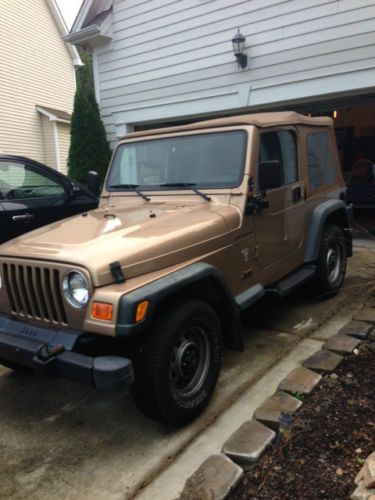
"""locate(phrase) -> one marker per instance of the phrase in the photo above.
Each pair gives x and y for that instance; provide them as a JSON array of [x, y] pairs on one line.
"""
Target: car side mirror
[[93, 182], [270, 175]]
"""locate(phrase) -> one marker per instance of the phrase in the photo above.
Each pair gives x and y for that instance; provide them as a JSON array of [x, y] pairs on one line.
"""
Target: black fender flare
[[167, 286], [317, 223]]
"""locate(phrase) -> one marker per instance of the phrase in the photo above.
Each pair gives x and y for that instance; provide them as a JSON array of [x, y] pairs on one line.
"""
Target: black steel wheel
[[178, 362], [331, 263]]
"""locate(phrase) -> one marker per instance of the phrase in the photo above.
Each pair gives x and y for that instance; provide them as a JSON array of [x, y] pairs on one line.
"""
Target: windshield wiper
[[187, 185], [133, 187]]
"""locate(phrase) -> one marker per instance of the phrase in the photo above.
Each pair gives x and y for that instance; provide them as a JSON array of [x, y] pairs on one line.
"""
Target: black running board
[[293, 281]]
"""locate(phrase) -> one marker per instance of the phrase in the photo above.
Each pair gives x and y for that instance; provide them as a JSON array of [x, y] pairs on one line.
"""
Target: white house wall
[[48, 142], [172, 59], [36, 68], [63, 131]]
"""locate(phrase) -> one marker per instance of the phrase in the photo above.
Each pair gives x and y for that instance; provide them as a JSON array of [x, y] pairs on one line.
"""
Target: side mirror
[[270, 175], [93, 182]]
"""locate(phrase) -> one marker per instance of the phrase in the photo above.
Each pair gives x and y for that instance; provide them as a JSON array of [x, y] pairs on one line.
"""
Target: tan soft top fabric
[[257, 119]]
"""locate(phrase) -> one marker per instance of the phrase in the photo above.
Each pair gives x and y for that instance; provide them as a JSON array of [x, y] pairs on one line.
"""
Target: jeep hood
[[143, 238]]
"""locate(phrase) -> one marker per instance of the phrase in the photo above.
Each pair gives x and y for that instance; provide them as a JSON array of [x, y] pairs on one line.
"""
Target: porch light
[[238, 42]]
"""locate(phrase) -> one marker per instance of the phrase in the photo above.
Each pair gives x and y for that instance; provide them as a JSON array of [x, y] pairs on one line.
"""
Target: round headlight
[[76, 289]]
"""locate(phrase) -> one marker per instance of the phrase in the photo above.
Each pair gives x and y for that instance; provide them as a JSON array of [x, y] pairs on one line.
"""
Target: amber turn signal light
[[101, 310], [141, 311]]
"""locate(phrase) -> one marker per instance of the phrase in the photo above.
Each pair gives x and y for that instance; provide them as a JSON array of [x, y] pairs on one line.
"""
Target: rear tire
[[331, 263], [177, 363]]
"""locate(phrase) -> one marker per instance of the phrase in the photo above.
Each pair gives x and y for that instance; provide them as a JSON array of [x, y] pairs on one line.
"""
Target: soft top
[[257, 119]]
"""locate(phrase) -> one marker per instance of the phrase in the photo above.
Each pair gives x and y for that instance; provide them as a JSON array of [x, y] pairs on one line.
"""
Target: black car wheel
[[177, 364], [331, 262]]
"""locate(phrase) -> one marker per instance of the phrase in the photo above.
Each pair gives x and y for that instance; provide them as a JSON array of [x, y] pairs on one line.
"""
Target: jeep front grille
[[34, 292]]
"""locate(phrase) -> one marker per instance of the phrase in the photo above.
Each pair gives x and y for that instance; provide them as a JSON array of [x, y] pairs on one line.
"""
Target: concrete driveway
[[61, 440]]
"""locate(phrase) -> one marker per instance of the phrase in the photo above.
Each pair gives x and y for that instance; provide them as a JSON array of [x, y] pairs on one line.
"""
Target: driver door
[[29, 197], [279, 229]]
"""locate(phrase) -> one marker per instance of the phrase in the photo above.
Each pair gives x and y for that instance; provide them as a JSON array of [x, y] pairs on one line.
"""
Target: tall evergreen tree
[[89, 148], [85, 73]]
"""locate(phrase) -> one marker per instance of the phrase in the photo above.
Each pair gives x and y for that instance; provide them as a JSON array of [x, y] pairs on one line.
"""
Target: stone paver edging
[[215, 478], [300, 381], [269, 411], [341, 344], [323, 361], [250, 440], [358, 329], [365, 480]]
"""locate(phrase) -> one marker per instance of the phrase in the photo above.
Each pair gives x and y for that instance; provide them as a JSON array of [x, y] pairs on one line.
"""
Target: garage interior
[[355, 134]]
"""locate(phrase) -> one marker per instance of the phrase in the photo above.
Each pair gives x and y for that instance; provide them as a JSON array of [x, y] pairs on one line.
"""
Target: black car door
[[4, 221], [30, 196]]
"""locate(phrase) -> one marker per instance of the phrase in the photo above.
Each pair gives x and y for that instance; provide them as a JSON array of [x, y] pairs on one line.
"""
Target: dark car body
[[361, 196], [361, 185], [33, 195]]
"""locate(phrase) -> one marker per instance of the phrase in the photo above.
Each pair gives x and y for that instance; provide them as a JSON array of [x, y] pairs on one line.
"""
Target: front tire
[[177, 363], [331, 263]]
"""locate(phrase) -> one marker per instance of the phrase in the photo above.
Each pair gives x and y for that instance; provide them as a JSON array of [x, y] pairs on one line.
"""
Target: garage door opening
[[355, 132]]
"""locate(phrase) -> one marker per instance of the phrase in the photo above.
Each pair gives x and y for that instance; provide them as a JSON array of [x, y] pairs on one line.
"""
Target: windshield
[[211, 160]]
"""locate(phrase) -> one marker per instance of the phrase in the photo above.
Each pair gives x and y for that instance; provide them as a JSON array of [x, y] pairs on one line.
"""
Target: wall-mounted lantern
[[238, 42]]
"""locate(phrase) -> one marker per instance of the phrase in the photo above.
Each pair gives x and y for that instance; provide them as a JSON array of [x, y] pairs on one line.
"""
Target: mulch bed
[[333, 432]]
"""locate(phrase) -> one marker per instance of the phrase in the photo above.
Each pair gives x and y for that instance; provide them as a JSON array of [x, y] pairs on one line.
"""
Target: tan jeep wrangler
[[195, 224]]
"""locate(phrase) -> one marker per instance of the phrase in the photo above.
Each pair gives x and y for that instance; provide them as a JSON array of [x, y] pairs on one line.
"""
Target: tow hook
[[47, 351]]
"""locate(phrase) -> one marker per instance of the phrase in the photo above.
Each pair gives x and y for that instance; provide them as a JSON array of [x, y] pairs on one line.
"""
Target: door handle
[[22, 217]]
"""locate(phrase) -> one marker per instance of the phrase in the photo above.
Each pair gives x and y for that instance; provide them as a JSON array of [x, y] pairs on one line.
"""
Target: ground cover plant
[[332, 434]]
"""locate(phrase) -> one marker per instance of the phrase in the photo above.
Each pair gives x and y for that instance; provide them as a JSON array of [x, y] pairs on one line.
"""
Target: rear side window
[[280, 146], [319, 160]]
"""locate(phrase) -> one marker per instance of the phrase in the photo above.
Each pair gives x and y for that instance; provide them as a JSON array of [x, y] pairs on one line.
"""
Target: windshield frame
[[159, 188]]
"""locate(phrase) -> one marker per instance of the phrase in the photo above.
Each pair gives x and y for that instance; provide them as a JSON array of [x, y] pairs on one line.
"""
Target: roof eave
[[51, 116], [60, 23], [90, 36], [81, 16]]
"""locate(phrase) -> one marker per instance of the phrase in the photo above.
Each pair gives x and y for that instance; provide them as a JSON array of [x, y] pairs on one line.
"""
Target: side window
[[319, 160], [281, 146], [19, 180], [289, 154]]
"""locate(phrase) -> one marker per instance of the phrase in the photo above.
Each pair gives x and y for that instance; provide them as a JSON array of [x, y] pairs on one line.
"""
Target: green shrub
[[89, 148]]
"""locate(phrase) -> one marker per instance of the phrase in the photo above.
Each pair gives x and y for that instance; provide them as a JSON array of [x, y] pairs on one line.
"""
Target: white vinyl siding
[[171, 59], [35, 69], [63, 131], [48, 142]]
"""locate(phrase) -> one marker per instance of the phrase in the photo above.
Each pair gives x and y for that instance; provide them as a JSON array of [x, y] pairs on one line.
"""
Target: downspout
[[57, 147], [95, 70]]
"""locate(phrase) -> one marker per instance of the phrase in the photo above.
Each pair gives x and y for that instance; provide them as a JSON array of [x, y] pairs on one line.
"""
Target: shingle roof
[[58, 113], [97, 19]]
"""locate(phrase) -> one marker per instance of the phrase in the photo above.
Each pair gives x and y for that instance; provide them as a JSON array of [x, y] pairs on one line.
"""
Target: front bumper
[[51, 352]]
